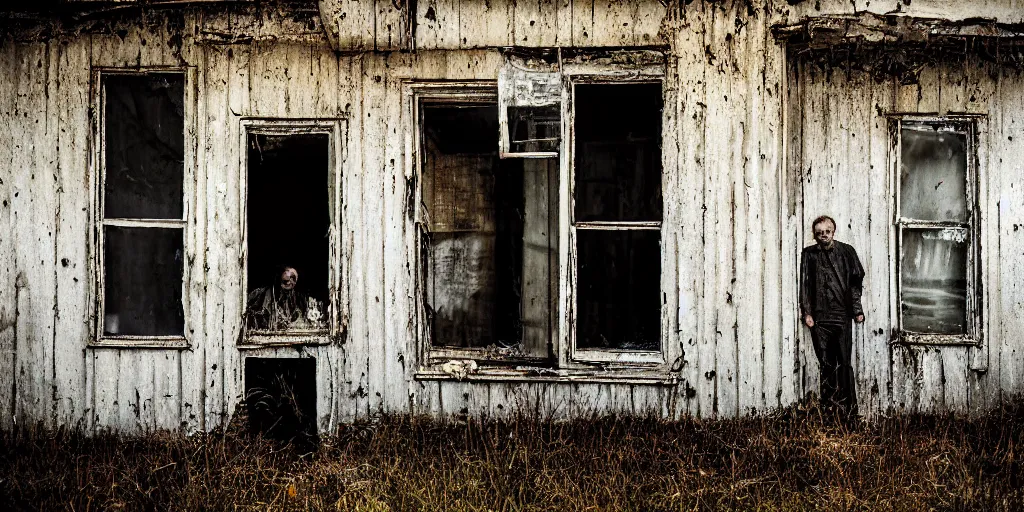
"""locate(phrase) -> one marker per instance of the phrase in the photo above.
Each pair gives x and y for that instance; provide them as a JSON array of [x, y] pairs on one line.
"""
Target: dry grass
[[790, 460]]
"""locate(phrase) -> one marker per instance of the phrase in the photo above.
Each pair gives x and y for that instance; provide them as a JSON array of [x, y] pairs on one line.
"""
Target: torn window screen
[[490, 234], [534, 129], [143, 268], [936, 228], [618, 182], [144, 150], [288, 223]]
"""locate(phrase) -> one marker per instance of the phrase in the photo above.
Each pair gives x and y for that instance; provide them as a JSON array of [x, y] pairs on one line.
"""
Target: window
[[538, 249], [617, 219], [936, 230], [141, 207], [291, 203], [487, 233]]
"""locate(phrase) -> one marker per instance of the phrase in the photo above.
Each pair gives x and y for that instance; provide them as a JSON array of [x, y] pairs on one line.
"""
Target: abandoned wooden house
[[549, 208]]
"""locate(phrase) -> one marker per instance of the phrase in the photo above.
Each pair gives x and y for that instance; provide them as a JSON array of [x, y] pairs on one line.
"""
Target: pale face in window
[[289, 278]]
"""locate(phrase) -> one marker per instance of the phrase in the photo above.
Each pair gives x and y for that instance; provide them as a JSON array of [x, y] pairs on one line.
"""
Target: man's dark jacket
[[817, 278]]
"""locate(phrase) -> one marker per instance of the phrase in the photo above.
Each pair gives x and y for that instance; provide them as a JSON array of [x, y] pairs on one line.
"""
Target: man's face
[[823, 233], [288, 279]]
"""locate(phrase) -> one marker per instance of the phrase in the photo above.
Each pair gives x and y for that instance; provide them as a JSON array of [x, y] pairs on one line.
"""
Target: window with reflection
[[936, 226]]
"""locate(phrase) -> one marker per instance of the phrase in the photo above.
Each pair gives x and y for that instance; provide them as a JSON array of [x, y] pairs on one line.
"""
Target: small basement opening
[[280, 398]]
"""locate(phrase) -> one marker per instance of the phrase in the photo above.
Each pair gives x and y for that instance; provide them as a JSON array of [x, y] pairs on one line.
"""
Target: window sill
[[284, 339], [521, 374], [148, 342], [913, 338]]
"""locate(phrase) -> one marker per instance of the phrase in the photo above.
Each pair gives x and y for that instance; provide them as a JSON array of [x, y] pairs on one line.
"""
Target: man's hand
[[808, 321], [859, 318]]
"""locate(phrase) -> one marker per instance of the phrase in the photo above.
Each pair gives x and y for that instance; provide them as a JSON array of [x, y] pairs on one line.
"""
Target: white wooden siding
[[754, 148]]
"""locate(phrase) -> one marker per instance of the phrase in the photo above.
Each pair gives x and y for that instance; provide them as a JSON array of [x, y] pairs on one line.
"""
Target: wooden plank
[[73, 224], [33, 225], [791, 202], [1006, 135], [351, 22], [874, 355], [535, 23], [191, 417], [222, 233], [955, 378], [582, 12], [134, 391], [8, 257], [486, 24], [390, 20], [354, 224], [372, 250], [166, 405], [770, 155], [690, 109], [722, 163], [750, 340], [437, 24], [106, 367], [394, 297]]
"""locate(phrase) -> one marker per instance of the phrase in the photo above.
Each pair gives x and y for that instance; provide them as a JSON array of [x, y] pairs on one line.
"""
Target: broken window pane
[[289, 220], [618, 303], [534, 129], [618, 152], [490, 234], [144, 145], [933, 289], [143, 269], [933, 175]]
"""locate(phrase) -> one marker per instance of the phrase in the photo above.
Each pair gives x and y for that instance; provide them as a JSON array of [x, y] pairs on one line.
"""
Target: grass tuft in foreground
[[789, 460]]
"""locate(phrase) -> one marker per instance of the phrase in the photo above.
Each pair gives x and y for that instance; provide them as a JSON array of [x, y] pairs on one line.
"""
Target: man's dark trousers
[[833, 344]]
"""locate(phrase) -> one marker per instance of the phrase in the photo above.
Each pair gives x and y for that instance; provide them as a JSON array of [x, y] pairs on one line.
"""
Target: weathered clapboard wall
[[737, 117], [840, 143]]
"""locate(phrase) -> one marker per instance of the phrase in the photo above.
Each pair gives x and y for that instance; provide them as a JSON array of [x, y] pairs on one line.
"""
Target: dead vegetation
[[790, 460]]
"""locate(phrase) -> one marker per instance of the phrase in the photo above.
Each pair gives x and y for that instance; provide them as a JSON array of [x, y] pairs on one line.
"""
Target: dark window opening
[[618, 213], [142, 233], [145, 146], [280, 398], [288, 223], [143, 268], [489, 234]]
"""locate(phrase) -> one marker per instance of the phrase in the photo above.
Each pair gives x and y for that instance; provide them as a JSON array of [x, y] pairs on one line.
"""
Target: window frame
[[462, 93], [335, 128], [97, 174], [567, 363], [576, 357], [972, 125]]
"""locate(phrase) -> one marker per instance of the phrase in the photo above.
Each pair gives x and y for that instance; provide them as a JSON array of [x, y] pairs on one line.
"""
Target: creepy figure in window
[[831, 280], [281, 306]]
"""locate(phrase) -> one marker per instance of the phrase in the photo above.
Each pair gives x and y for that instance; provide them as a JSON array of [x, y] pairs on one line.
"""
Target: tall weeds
[[789, 460]]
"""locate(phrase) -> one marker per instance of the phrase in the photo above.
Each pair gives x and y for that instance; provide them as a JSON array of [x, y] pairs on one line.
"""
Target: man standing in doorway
[[831, 281]]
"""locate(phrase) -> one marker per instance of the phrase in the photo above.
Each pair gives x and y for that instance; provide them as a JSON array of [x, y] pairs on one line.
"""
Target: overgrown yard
[[790, 460]]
